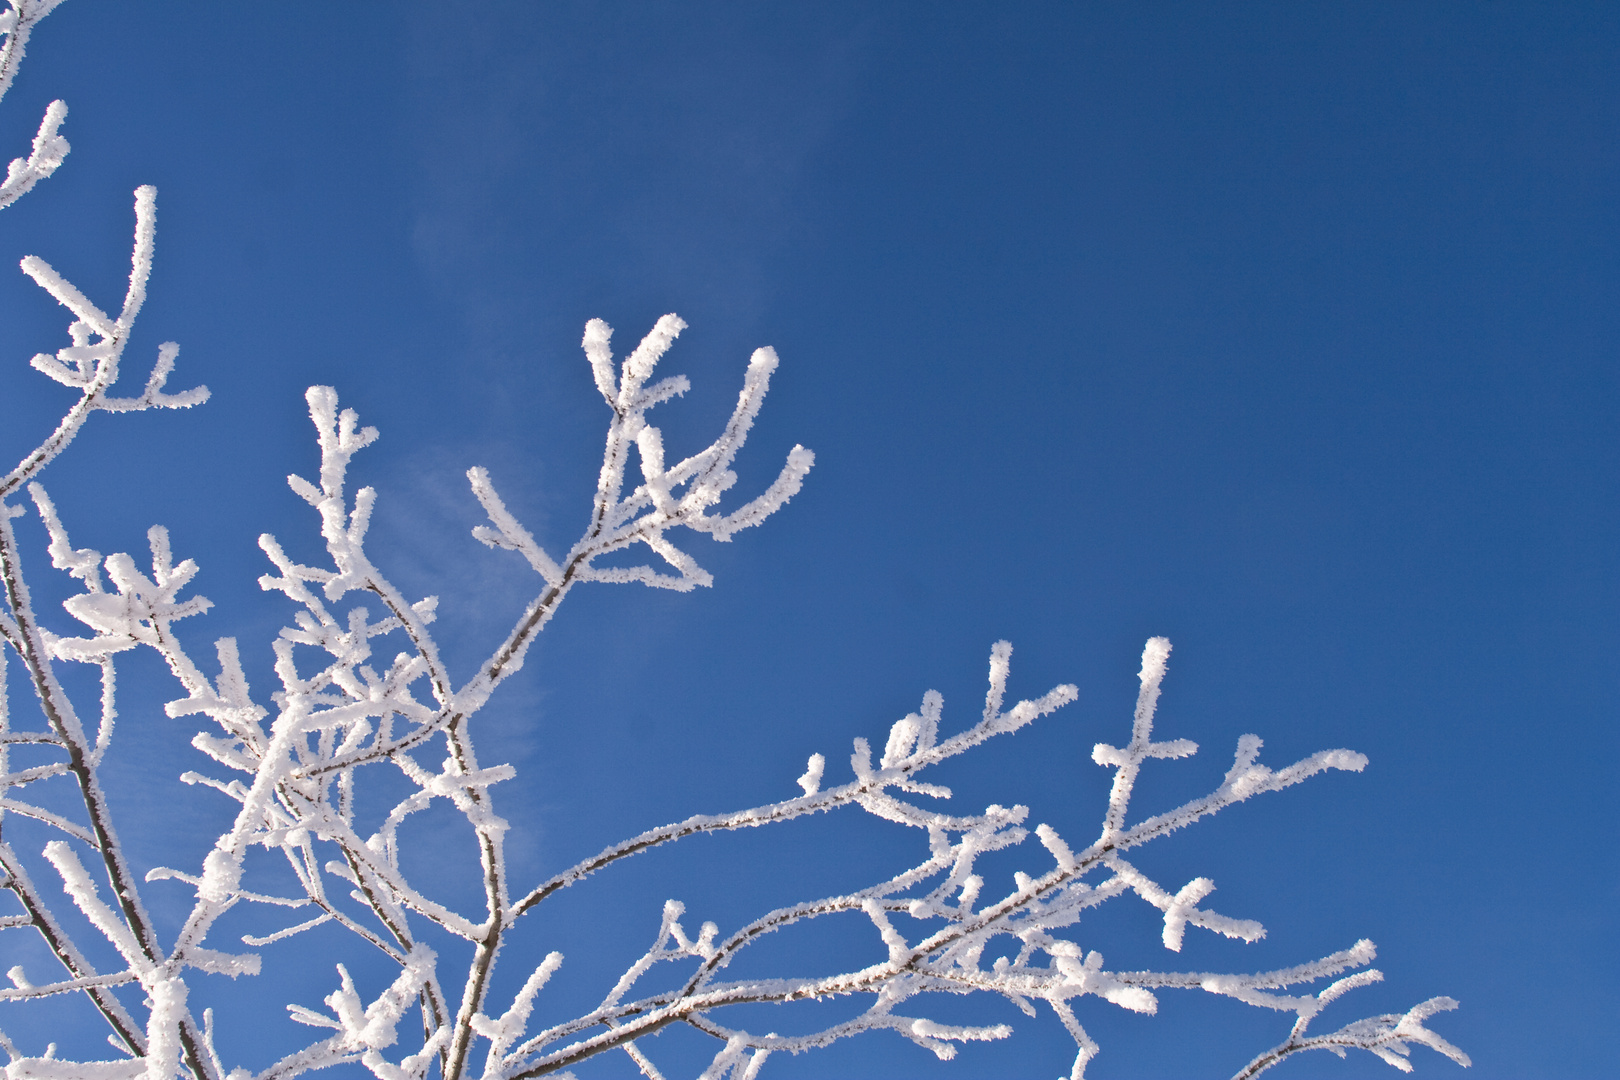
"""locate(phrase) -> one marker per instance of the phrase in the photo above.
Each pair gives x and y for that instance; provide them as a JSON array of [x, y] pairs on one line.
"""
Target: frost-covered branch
[[653, 508], [1385, 1036], [370, 729], [48, 151], [49, 148], [127, 925], [945, 889], [341, 715], [90, 364]]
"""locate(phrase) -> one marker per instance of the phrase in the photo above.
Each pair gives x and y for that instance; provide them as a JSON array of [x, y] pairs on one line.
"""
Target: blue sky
[[1288, 332]]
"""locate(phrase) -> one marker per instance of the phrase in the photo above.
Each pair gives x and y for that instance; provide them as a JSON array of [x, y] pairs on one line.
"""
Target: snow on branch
[[368, 727], [90, 364], [48, 152], [653, 508], [17, 23], [945, 889]]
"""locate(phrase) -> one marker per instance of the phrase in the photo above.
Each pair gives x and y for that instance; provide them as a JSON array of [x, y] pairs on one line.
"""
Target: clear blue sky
[[1287, 331]]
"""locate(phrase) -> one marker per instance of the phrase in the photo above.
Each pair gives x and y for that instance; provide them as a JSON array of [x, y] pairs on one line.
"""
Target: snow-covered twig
[[17, 23]]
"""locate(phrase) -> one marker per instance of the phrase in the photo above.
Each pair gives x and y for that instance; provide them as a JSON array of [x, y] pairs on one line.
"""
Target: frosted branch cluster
[[366, 704]]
